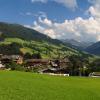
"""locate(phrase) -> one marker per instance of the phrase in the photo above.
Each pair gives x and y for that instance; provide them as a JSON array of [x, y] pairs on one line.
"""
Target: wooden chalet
[[17, 58], [58, 67], [9, 58], [59, 63], [55, 71], [38, 62]]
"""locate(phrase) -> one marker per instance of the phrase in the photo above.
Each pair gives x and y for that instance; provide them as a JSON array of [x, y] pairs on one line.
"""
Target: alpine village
[[24, 49]]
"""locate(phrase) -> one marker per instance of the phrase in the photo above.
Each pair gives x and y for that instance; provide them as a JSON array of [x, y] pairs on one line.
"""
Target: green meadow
[[28, 86]]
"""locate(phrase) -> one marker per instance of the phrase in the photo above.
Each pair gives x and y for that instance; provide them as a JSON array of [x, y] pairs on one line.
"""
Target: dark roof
[[96, 73], [11, 57], [52, 69], [37, 60]]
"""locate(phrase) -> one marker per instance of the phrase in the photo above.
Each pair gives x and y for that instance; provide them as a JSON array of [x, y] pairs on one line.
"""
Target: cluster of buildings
[[55, 66], [47, 66]]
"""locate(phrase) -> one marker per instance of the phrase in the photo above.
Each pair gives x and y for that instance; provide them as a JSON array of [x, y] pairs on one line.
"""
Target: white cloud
[[94, 10], [78, 28], [38, 14], [67, 3], [43, 1], [45, 21]]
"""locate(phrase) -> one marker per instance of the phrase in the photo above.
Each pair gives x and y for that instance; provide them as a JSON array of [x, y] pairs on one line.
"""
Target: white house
[[94, 74], [2, 66]]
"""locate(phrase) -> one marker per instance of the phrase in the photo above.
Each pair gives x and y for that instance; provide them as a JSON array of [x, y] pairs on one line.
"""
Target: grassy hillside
[[17, 39], [18, 31], [47, 50], [27, 86]]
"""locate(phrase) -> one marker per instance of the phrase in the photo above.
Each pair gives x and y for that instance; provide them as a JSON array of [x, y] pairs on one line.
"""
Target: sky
[[59, 19]]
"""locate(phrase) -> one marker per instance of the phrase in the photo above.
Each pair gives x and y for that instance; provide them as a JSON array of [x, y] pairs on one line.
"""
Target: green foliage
[[37, 56], [79, 66], [27, 56], [8, 49], [15, 66], [95, 66]]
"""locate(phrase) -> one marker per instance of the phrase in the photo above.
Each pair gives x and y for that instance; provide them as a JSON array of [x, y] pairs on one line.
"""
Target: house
[[64, 62], [9, 58], [55, 71], [48, 70], [94, 74], [59, 63], [37, 62], [5, 59], [2, 67], [54, 64], [17, 58]]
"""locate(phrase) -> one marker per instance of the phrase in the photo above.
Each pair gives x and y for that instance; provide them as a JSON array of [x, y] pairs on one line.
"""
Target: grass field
[[28, 86]]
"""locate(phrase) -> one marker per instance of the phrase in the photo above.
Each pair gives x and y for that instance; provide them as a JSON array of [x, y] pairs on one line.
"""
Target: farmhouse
[[8, 58], [59, 63], [17, 58], [94, 74], [37, 62], [57, 67], [2, 67], [64, 62], [55, 71], [54, 63]]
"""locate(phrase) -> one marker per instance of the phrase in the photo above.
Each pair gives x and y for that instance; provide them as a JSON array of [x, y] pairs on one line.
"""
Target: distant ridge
[[17, 39], [77, 44], [19, 31], [94, 49]]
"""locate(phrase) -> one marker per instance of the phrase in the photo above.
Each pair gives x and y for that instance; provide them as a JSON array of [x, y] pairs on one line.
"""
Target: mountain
[[17, 39], [94, 49], [19, 31], [77, 44]]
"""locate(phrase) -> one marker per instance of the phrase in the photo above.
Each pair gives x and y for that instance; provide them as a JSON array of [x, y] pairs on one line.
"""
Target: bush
[[15, 66]]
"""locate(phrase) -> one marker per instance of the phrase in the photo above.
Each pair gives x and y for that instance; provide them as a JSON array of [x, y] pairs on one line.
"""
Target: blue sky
[[15, 11], [61, 19]]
